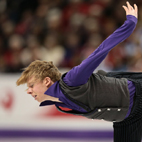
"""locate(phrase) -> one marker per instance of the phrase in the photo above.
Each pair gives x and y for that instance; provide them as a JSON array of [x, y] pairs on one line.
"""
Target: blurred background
[[65, 32]]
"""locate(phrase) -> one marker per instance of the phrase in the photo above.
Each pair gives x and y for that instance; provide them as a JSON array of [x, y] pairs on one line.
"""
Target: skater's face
[[37, 88]]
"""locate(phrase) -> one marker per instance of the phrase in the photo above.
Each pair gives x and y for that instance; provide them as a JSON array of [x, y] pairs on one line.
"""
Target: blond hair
[[40, 70]]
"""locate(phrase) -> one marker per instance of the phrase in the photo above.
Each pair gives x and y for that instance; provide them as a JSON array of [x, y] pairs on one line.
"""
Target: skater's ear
[[48, 82]]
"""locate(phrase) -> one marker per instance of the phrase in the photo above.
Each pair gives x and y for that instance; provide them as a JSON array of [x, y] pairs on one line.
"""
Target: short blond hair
[[40, 70]]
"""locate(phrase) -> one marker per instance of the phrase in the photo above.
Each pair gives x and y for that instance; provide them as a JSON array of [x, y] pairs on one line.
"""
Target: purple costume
[[80, 74]]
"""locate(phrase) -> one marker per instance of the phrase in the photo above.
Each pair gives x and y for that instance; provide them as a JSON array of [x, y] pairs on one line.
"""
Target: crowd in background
[[65, 32]]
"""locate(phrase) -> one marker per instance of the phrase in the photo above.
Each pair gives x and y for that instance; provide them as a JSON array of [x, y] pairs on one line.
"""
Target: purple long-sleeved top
[[80, 74]]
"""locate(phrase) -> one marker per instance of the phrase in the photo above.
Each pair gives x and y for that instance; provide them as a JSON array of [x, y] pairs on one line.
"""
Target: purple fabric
[[132, 90], [55, 91], [80, 74]]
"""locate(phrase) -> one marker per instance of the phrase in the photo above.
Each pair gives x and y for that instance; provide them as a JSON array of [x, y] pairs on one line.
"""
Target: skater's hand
[[131, 10]]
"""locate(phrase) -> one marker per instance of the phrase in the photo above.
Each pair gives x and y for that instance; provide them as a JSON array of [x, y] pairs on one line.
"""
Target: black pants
[[130, 129]]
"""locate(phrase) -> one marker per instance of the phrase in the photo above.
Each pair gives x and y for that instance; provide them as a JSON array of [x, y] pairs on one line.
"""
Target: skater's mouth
[[35, 96]]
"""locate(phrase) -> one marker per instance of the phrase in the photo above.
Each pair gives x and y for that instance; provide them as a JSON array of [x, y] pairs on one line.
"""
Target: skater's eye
[[31, 85]]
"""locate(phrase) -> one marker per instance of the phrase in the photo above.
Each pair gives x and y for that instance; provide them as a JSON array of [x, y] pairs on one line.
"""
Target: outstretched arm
[[81, 73]]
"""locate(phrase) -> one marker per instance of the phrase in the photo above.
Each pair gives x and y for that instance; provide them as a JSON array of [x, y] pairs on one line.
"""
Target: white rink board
[[20, 110]]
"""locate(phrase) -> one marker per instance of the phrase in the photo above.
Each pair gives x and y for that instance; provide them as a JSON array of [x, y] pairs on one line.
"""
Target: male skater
[[110, 96]]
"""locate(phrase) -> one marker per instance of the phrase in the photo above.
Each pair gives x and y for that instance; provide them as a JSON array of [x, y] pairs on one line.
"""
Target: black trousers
[[130, 129]]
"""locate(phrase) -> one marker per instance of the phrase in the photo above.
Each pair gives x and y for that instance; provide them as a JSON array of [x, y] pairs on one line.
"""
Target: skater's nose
[[29, 90]]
